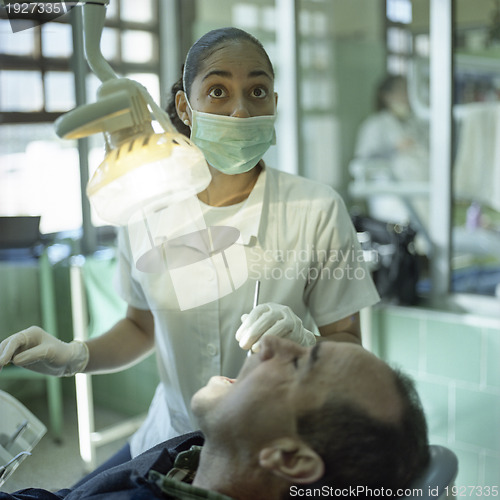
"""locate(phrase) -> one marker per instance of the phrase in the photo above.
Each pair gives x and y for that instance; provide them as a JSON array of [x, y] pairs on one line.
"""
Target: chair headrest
[[440, 472]]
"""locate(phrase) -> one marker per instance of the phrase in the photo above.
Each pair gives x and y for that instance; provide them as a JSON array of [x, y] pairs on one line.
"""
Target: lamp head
[[142, 170]]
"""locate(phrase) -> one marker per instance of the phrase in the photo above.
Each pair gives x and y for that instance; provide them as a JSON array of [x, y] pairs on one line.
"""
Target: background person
[[295, 418], [393, 145], [228, 89]]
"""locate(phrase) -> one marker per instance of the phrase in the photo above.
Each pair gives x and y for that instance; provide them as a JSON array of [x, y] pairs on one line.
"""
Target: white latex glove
[[272, 319], [39, 351]]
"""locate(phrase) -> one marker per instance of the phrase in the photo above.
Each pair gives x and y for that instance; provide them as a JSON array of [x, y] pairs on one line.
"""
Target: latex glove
[[272, 319], [39, 351]]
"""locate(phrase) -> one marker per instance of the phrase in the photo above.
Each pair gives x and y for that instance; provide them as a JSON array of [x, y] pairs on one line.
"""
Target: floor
[[52, 465]]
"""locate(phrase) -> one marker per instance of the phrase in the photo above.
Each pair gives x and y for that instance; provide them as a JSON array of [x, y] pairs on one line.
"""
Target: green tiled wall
[[455, 361], [129, 391]]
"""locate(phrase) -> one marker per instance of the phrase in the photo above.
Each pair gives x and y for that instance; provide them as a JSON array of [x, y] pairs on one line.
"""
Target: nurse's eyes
[[217, 92], [259, 92], [220, 92]]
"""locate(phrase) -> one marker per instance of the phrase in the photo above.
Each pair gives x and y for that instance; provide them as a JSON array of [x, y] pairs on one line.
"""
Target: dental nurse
[[291, 234]]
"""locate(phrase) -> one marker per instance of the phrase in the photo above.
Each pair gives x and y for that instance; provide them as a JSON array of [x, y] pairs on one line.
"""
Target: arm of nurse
[[345, 330], [127, 341]]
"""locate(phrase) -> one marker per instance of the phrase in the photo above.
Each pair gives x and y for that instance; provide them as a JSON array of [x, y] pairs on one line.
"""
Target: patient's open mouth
[[224, 380]]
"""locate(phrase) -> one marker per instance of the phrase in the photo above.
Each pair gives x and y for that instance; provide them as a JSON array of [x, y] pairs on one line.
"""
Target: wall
[[19, 296], [454, 359]]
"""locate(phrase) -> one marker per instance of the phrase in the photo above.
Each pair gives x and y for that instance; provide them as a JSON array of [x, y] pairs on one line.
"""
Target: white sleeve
[[340, 283], [127, 287], [370, 141]]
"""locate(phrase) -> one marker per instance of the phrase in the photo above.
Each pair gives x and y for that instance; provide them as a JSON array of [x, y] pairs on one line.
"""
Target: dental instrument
[[255, 302], [7, 441], [3, 468]]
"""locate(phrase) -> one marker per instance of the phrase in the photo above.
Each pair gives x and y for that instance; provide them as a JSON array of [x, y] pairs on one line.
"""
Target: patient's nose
[[271, 346]]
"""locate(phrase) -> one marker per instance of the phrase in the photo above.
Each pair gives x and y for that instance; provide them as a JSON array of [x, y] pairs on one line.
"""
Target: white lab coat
[[297, 239]]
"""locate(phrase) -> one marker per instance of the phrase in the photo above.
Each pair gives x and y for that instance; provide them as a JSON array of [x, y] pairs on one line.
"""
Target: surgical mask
[[232, 145]]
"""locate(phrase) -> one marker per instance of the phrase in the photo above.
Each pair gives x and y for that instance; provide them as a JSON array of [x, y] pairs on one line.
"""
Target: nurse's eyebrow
[[259, 72], [218, 72], [228, 74]]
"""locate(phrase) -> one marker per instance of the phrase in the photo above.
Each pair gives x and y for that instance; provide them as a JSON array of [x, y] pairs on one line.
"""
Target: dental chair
[[440, 473]]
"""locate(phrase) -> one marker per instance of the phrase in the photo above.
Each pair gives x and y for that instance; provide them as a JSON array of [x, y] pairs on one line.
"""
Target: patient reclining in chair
[[332, 416]]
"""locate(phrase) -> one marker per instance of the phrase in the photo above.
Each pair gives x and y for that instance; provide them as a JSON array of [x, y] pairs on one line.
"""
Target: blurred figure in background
[[392, 145]]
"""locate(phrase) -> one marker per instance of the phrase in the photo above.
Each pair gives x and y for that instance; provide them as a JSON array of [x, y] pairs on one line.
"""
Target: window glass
[[21, 91], [139, 12], [92, 84], [137, 46], [399, 40], [422, 45], [268, 18], [109, 44], [19, 44], [246, 15], [320, 24], [59, 91], [56, 40], [36, 167], [397, 65], [399, 11]]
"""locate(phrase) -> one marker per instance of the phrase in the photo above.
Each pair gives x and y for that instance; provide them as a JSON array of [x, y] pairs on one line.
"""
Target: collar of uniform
[[247, 220]]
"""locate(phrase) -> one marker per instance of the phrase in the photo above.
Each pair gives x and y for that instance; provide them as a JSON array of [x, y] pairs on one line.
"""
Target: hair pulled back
[[202, 49]]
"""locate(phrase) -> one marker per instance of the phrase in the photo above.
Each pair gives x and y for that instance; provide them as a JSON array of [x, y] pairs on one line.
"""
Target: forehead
[[233, 56], [358, 375], [348, 364]]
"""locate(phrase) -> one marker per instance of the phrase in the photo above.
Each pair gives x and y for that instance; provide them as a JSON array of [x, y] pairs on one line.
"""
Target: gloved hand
[[272, 319], [39, 351]]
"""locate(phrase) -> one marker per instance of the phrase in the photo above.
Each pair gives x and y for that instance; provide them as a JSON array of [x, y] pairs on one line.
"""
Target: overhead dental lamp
[[142, 170]]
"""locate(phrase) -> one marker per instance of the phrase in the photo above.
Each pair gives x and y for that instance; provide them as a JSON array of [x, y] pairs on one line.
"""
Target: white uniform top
[[382, 136], [297, 239]]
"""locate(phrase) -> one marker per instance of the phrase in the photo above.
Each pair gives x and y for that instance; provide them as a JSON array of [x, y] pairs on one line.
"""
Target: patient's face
[[284, 380]]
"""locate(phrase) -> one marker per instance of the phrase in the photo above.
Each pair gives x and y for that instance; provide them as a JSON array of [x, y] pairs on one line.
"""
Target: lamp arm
[[94, 14], [160, 114]]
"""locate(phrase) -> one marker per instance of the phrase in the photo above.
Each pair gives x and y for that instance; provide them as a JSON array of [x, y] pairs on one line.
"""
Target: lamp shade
[[147, 173]]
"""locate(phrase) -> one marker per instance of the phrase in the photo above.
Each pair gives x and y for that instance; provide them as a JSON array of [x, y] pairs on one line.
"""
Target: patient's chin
[[206, 397]]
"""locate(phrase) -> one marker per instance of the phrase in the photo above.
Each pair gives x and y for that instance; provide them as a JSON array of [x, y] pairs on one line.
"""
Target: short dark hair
[[360, 450], [203, 48]]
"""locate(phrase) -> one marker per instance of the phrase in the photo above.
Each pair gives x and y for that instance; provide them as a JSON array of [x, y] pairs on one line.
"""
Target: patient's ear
[[292, 459]]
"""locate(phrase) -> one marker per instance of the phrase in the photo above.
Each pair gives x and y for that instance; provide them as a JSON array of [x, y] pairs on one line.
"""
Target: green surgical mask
[[232, 145]]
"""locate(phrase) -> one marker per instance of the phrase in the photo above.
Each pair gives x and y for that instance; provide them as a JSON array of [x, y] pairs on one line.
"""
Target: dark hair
[[386, 86], [203, 48], [359, 450]]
